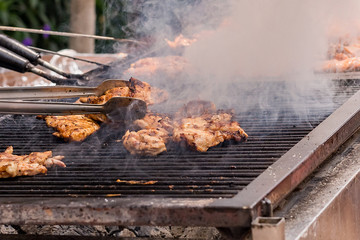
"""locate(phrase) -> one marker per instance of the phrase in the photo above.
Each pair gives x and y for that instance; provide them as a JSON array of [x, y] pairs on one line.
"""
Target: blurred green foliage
[[36, 14], [56, 13]]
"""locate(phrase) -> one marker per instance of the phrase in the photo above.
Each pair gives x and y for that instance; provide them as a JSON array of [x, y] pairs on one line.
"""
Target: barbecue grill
[[226, 187]]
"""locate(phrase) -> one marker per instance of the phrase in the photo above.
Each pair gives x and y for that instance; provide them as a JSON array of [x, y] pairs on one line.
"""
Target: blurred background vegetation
[[55, 14]]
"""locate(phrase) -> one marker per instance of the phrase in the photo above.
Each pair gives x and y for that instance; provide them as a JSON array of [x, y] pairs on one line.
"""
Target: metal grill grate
[[100, 166]]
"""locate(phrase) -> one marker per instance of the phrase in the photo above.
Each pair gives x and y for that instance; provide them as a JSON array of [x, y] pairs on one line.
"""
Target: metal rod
[[57, 92], [53, 79], [11, 107], [66, 34], [53, 68], [63, 55]]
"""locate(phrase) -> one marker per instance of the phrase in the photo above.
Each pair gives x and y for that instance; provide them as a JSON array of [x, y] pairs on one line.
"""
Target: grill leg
[[268, 228]]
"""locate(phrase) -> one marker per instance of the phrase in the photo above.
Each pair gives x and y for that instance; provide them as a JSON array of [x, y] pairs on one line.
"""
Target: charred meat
[[153, 136], [136, 89], [27, 165], [146, 141], [72, 127], [203, 127], [198, 124]]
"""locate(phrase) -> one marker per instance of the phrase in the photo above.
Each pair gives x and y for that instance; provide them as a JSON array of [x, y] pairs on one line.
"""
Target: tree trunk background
[[82, 20]]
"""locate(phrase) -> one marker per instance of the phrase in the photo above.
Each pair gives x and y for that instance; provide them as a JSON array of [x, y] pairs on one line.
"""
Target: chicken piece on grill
[[27, 165], [136, 89], [153, 136], [146, 141], [143, 90], [346, 65], [207, 128], [72, 127]]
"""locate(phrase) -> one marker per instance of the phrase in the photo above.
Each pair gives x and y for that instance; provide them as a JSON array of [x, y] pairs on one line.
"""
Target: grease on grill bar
[[95, 165]]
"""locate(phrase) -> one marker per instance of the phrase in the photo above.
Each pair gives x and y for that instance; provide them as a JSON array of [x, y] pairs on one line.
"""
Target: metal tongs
[[117, 108], [17, 57]]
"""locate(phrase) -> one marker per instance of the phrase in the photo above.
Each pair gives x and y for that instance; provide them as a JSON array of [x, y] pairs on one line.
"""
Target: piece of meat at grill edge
[[72, 127], [27, 165], [137, 89], [153, 136]]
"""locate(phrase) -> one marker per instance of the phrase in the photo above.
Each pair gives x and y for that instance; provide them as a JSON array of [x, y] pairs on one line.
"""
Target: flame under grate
[[100, 166]]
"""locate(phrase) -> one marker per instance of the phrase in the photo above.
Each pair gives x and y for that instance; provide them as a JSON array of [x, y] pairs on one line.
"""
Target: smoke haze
[[241, 44]]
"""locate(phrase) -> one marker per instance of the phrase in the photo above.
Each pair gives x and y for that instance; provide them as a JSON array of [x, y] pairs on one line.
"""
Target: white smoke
[[241, 43], [272, 38]]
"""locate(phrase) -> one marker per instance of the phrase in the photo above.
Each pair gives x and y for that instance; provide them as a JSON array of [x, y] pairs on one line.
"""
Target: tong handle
[[12, 61], [19, 48], [117, 108], [52, 92], [48, 108]]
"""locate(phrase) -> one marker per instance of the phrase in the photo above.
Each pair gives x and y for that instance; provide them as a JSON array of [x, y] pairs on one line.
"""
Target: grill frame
[[238, 211]]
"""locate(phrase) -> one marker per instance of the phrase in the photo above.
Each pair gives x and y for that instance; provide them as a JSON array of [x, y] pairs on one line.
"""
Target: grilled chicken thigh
[[152, 139], [136, 89], [146, 141], [200, 126], [72, 127], [197, 124], [27, 165], [208, 130]]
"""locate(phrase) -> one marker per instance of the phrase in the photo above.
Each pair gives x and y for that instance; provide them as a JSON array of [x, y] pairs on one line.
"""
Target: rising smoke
[[240, 44]]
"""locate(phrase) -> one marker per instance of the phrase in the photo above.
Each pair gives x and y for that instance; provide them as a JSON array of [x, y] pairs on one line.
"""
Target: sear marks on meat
[[27, 165], [203, 128], [72, 127], [136, 89], [197, 124], [143, 90], [152, 139], [114, 92], [145, 142]]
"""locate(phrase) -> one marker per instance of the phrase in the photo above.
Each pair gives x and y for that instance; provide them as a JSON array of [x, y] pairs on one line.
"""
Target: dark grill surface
[[100, 166]]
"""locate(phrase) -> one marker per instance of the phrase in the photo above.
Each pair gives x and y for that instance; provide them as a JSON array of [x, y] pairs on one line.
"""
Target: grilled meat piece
[[72, 127], [197, 124], [152, 139], [143, 90], [146, 141], [27, 165], [208, 129], [346, 65], [114, 92], [136, 89]]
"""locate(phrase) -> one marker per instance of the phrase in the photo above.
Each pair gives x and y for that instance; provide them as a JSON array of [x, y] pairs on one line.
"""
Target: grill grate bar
[[94, 165]]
